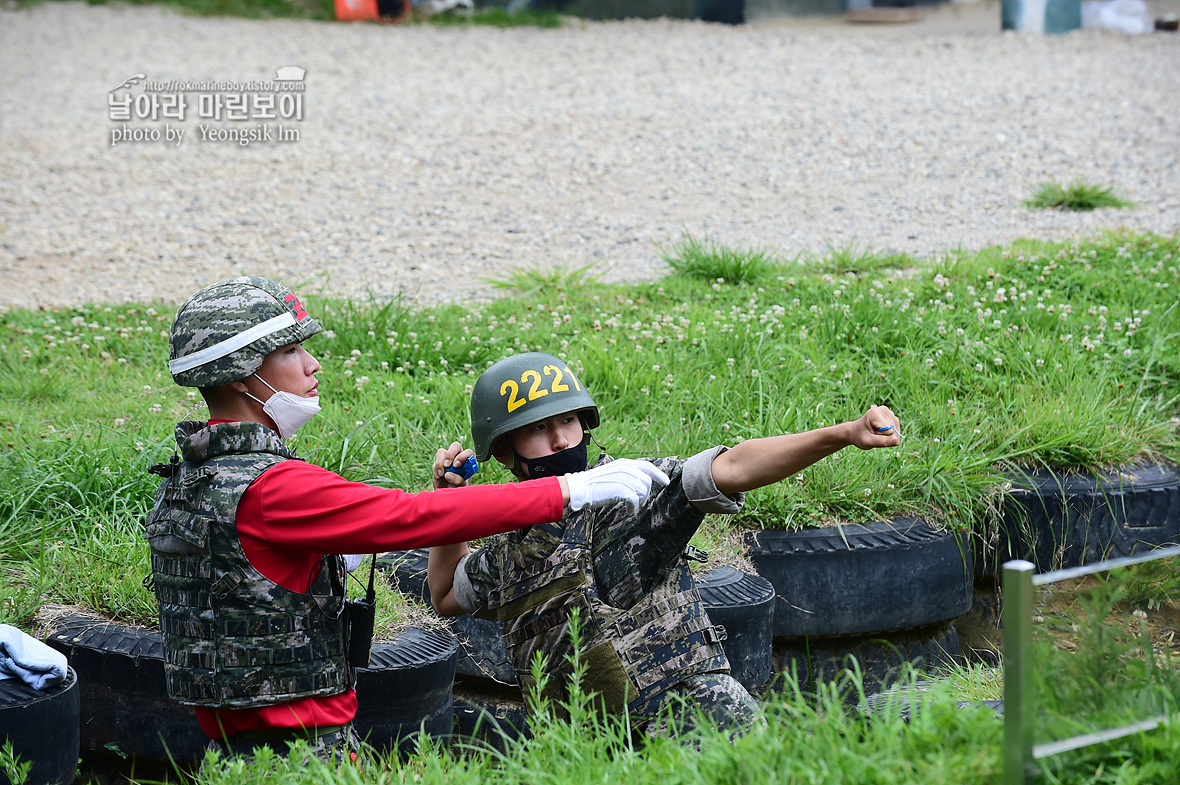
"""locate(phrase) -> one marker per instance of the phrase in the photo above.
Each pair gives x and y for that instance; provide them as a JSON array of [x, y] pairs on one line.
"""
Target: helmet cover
[[222, 333]]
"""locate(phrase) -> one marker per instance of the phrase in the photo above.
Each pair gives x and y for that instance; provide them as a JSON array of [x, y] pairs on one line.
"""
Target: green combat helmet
[[523, 389], [223, 332]]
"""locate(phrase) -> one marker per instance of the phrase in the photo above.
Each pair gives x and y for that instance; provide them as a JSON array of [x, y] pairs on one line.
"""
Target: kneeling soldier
[[647, 639]]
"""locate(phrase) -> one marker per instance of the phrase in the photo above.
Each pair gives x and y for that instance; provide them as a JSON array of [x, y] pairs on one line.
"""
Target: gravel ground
[[432, 158]]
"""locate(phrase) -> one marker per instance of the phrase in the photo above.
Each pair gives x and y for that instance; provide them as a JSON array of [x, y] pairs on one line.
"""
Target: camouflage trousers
[[632, 556], [716, 699], [336, 745]]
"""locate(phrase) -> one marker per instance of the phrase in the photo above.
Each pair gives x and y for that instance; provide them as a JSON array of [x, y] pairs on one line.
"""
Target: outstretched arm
[[758, 462]]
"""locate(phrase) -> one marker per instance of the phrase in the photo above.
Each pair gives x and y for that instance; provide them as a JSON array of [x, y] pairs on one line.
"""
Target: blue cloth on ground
[[28, 659]]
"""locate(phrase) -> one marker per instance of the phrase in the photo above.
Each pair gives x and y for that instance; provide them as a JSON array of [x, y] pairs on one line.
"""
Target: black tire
[[744, 605], [408, 569], [861, 579], [43, 726], [1059, 520], [880, 658], [124, 705], [407, 689], [481, 646], [490, 713]]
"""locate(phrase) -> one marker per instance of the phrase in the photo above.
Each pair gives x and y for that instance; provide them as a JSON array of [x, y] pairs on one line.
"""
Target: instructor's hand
[[625, 480]]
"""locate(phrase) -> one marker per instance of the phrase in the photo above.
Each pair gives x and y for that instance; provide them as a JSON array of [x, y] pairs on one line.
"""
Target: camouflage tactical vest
[[633, 655], [233, 638]]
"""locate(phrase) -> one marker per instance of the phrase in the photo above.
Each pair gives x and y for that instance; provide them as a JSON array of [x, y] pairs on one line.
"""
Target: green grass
[[1078, 195], [1036, 354], [808, 740], [1099, 664], [15, 769], [709, 261], [499, 17], [553, 279], [1087, 376], [853, 258]]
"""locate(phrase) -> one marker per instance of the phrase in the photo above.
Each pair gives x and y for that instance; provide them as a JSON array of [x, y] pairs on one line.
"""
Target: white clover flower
[[978, 367]]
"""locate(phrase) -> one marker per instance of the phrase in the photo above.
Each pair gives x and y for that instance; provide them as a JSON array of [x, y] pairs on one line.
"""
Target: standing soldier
[[647, 639], [244, 534]]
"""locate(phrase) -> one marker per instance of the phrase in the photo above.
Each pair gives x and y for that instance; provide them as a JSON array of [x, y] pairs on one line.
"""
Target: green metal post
[[1018, 697]]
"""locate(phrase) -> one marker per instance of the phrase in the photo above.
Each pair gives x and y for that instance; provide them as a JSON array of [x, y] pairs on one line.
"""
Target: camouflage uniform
[[646, 635], [233, 638]]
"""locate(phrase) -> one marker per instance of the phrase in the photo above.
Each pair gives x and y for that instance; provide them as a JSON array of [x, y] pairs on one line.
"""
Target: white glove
[[352, 561], [625, 480]]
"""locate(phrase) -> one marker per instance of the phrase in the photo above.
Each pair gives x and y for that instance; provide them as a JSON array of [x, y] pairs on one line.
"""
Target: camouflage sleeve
[[700, 488], [476, 577]]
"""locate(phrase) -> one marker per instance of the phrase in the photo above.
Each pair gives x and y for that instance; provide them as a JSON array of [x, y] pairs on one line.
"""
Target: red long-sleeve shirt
[[296, 512]]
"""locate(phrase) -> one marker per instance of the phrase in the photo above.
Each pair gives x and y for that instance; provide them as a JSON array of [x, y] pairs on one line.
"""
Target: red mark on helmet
[[293, 301]]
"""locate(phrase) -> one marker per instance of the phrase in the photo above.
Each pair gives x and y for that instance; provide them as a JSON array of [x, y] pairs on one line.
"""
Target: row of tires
[[883, 593]]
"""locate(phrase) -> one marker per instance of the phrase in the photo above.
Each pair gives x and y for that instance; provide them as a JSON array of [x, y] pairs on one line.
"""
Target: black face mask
[[568, 461]]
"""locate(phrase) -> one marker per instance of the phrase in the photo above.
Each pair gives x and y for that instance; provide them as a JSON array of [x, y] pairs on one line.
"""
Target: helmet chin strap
[[514, 465]]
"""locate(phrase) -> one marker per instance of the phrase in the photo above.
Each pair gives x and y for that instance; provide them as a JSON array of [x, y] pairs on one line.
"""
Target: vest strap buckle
[[715, 634], [693, 553], [222, 587]]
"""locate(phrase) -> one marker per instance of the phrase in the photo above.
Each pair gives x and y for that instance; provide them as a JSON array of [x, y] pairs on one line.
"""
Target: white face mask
[[289, 411]]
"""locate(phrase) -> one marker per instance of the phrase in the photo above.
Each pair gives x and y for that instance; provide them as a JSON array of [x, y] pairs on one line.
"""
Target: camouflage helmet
[[521, 390], [223, 332]]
